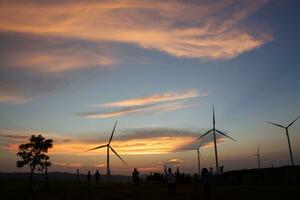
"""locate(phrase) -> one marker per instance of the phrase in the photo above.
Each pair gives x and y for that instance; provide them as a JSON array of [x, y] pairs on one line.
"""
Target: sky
[[70, 69]]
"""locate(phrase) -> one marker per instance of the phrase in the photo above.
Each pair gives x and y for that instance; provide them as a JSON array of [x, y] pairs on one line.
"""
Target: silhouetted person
[[136, 180], [151, 177], [77, 174], [46, 178], [211, 171], [171, 180], [97, 176], [206, 179], [88, 177], [222, 169]]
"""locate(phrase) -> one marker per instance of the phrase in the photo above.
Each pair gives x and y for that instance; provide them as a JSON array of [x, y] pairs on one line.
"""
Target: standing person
[[222, 169], [211, 171], [171, 180], [77, 174], [97, 176], [88, 177], [135, 180], [206, 179]]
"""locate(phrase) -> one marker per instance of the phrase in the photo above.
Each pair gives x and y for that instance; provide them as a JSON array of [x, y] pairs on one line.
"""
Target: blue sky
[[54, 72]]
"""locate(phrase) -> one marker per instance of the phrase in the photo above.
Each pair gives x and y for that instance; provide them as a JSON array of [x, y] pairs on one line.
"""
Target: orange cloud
[[68, 164], [174, 161], [152, 104], [156, 145], [156, 98], [152, 109], [138, 142], [208, 29], [62, 60], [150, 169]]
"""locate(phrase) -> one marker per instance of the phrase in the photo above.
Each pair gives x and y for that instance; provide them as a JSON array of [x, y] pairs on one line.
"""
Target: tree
[[34, 154]]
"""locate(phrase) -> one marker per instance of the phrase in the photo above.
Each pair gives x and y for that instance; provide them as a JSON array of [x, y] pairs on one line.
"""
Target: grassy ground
[[81, 190]]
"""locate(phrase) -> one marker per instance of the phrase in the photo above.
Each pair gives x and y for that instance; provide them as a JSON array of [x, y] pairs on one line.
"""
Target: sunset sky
[[70, 69]]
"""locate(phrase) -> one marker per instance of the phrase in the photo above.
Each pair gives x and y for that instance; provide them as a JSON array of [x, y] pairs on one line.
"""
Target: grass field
[[81, 190]]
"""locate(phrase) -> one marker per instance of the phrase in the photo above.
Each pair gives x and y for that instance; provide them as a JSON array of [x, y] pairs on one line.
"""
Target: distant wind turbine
[[258, 156], [214, 130], [198, 156], [287, 135], [108, 146]]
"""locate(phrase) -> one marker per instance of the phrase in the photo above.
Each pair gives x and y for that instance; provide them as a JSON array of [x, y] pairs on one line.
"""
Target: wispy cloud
[[193, 29], [174, 161], [137, 110], [152, 104], [64, 164], [19, 88], [62, 60], [151, 99], [52, 54], [11, 93], [12, 135], [13, 98]]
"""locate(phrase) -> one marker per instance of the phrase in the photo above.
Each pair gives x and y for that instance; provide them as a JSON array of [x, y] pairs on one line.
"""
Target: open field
[[82, 190], [267, 183]]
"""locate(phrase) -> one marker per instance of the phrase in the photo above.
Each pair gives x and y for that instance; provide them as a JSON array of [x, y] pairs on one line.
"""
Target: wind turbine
[[258, 157], [198, 156], [108, 146], [214, 130], [287, 135]]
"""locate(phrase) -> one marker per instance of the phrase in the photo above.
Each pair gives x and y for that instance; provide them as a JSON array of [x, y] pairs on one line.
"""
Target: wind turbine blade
[[117, 155], [203, 135], [275, 124], [258, 150], [214, 120], [97, 147], [220, 132], [293, 121], [112, 133]]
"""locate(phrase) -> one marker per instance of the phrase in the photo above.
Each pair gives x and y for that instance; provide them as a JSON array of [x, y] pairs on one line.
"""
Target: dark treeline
[[287, 175]]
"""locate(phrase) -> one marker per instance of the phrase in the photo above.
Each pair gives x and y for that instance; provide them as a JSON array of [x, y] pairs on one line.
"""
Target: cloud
[[152, 104], [12, 93], [51, 54], [156, 98], [13, 135], [141, 141], [20, 88], [174, 161], [62, 60], [159, 140], [138, 110], [64, 164], [32, 66], [192, 29], [100, 165]]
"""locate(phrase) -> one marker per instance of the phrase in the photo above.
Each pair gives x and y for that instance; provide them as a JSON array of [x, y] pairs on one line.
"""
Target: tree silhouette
[[34, 154]]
